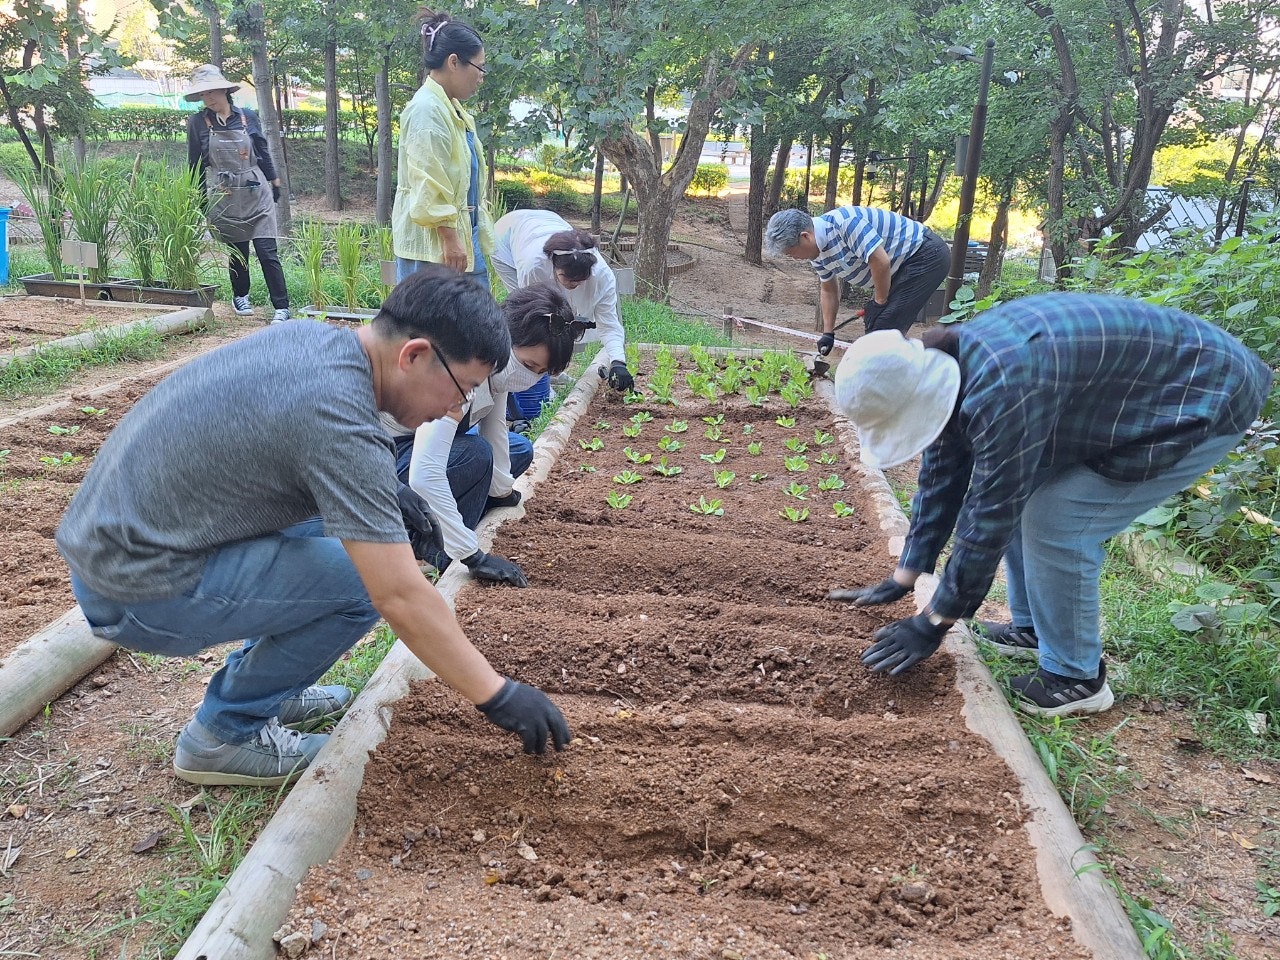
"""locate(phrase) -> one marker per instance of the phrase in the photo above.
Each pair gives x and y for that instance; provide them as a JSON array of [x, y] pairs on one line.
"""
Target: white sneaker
[[282, 315], [242, 306]]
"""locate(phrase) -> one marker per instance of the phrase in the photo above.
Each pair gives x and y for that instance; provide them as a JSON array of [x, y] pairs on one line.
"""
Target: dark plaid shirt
[[1123, 387]]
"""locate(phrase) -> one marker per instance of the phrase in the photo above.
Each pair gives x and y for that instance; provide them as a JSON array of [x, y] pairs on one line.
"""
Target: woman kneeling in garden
[[465, 463]]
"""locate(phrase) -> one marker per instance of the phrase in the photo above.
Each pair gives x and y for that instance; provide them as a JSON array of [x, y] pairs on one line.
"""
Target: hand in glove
[[275, 192], [904, 643], [527, 711], [510, 500], [620, 377], [870, 312], [490, 566], [887, 590], [826, 342], [425, 535]]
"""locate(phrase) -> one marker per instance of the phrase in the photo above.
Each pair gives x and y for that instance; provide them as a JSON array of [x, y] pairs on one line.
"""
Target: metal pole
[[969, 185], [1242, 210]]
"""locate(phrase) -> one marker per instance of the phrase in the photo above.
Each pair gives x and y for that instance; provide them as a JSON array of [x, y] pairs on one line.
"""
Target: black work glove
[[826, 342], [904, 643], [275, 192], [425, 535], [510, 500], [522, 427], [529, 712], [620, 377], [870, 312], [886, 591], [490, 566]]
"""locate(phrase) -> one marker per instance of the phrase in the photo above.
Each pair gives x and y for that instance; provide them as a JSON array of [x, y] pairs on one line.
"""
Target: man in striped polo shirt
[[901, 261], [1047, 425]]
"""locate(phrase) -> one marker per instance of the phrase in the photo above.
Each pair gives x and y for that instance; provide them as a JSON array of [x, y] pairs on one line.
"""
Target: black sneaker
[[1008, 639], [1051, 695]]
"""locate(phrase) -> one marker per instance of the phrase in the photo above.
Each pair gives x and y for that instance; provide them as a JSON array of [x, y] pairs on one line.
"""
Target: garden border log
[[179, 321], [47, 665], [1072, 882], [319, 813]]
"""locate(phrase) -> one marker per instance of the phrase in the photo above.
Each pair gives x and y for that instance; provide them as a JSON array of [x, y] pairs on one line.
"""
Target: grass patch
[[647, 322], [356, 667], [47, 370]]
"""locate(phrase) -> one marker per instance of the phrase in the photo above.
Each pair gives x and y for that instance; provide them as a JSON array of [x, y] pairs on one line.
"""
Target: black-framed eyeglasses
[[575, 328], [480, 67], [465, 394]]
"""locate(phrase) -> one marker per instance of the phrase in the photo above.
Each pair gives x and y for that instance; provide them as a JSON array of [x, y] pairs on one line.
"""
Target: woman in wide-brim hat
[[226, 146]]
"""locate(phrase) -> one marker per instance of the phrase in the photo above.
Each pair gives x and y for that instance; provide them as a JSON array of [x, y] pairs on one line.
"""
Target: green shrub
[[565, 199], [514, 194], [142, 123], [709, 179], [542, 183]]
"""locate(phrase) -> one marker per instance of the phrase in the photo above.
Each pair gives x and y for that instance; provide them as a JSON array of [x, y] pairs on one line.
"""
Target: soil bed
[[739, 785], [29, 321]]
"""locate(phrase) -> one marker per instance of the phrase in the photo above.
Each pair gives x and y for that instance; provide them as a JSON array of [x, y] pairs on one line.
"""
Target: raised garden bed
[[44, 285], [34, 321], [136, 292], [739, 786]]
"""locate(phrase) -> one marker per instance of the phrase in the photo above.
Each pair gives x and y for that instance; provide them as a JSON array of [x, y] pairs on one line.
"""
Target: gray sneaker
[[314, 705], [271, 757], [242, 306], [282, 315]]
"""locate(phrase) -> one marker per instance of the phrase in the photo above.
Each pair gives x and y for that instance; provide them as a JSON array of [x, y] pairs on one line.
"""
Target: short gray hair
[[784, 229]]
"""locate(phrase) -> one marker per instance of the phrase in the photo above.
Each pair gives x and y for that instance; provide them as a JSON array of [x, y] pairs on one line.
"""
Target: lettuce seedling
[[635, 456], [669, 444], [710, 508], [785, 421], [757, 477], [631, 430], [831, 483], [715, 421], [827, 457], [755, 448], [667, 469], [795, 445], [713, 433], [618, 500], [842, 509], [724, 478], [627, 477], [58, 431], [586, 468], [644, 416], [602, 425], [94, 411], [794, 515], [797, 490], [717, 457], [676, 426], [797, 464], [595, 443], [821, 438]]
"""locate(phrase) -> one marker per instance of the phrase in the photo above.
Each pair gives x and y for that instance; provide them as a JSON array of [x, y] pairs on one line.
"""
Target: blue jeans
[[1055, 557], [529, 402], [295, 594], [405, 267], [469, 470]]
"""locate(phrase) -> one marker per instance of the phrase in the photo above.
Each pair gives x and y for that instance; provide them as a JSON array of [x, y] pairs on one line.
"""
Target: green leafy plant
[[137, 220], [602, 425], [65, 460], [716, 421], [827, 457], [748, 429], [676, 426], [783, 420], [797, 490], [627, 477], [713, 433], [669, 444], [710, 508], [757, 477], [644, 416], [797, 464], [91, 192], [586, 468], [348, 238], [667, 469], [755, 448], [724, 478], [794, 515], [631, 430], [842, 509], [717, 457], [821, 438], [310, 242], [59, 431], [635, 456], [795, 445], [94, 411], [618, 500], [831, 483], [755, 395], [183, 247], [45, 200], [595, 443]]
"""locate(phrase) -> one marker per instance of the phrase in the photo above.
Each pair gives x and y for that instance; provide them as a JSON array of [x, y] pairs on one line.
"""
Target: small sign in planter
[[134, 291], [357, 315]]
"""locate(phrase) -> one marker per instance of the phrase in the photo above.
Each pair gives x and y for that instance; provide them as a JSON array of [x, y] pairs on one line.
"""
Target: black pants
[[913, 285], [269, 257]]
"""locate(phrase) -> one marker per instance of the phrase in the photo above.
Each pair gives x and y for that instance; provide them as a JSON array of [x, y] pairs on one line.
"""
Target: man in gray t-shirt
[[253, 494]]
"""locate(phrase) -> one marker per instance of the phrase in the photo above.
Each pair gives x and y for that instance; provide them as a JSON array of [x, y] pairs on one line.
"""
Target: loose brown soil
[[29, 321], [739, 786]]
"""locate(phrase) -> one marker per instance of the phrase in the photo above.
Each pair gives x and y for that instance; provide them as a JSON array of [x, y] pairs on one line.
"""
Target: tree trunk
[[332, 180], [833, 167], [215, 33], [386, 149], [996, 245], [774, 197], [597, 192], [256, 37], [74, 26], [761, 150]]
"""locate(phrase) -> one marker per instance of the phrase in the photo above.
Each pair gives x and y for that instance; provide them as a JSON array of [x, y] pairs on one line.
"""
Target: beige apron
[[240, 203]]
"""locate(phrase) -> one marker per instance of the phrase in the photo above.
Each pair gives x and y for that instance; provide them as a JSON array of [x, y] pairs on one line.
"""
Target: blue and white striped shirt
[[1120, 386], [848, 236]]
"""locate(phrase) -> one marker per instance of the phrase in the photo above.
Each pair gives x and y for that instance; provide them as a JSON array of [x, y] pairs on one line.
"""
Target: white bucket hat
[[897, 394], [207, 77]]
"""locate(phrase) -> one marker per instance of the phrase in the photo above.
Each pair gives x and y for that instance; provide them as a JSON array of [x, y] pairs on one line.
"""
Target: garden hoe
[[821, 365]]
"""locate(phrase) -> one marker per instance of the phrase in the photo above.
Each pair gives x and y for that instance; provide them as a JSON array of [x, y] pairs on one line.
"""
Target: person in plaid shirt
[[1046, 425]]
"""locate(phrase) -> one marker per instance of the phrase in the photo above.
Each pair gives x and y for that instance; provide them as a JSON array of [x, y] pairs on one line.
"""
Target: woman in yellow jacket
[[439, 214]]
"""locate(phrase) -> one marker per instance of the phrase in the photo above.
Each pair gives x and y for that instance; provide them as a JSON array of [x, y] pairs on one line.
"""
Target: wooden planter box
[[133, 291], [43, 285]]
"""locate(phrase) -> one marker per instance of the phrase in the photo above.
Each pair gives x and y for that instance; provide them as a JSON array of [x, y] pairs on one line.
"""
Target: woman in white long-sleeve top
[[466, 463], [538, 246]]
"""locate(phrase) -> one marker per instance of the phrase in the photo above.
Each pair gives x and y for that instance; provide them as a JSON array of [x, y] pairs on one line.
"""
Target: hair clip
[[430, 32], [567, 253], [575, 328]]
